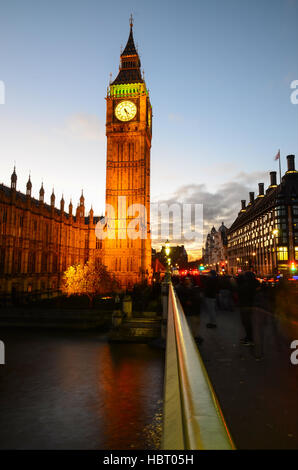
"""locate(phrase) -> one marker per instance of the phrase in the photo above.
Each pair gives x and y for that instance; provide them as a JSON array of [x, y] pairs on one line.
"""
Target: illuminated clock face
[[125, 111]]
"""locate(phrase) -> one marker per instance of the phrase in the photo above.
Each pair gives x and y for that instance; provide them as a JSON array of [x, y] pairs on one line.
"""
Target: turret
[[53, 199], [13, 179], [28, 187], [82, 199], [41, 194], [70, 207], [91, 213], [80, 212], [62, 204]]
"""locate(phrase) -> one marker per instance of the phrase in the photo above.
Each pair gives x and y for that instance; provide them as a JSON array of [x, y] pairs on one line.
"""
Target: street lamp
[[237, 265], [167, 250]]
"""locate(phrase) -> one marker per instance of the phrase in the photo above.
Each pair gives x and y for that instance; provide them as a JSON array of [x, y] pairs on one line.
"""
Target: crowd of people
[[214, 293]]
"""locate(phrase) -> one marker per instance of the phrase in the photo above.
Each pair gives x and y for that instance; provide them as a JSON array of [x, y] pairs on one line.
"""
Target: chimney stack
[[251, 197], [243, 201], [291, 162], [273, 178], [261, 189]]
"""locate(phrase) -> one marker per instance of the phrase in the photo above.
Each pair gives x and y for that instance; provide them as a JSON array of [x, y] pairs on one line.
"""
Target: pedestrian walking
[[210, 292], [247, 285], [190, 301]]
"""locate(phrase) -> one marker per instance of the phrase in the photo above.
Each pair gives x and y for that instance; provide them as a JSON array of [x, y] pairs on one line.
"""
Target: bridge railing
[[193, 418]]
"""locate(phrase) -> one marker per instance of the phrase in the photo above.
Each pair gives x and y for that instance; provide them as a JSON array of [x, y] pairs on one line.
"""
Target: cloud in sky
[[220, 205]]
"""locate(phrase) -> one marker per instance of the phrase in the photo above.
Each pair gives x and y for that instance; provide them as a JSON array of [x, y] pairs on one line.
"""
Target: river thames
[[75, 390]]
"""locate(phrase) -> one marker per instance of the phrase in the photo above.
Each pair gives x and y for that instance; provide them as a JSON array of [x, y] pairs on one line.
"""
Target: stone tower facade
[[127, 246]]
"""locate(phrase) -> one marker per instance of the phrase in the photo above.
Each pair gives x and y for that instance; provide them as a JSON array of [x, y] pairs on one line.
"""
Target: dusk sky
[[219, 75]]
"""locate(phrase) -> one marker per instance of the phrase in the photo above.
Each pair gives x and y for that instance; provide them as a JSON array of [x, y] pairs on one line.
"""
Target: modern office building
[[264, 236]]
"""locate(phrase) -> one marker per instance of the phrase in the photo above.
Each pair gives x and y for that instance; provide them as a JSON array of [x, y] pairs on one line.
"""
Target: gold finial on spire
[[131, 21]]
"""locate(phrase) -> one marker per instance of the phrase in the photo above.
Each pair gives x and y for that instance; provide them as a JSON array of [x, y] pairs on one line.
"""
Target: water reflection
[[76, 391], [128, 386]]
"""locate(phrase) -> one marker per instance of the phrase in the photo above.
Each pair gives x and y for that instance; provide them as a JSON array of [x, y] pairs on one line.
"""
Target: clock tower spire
[[129, 132], [130, 63]]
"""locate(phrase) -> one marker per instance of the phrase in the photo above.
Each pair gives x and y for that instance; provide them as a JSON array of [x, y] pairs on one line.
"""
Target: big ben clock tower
[[129, 132]]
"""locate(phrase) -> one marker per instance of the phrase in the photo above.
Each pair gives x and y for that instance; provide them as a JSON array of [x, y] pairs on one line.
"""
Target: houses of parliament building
[[38, 241]]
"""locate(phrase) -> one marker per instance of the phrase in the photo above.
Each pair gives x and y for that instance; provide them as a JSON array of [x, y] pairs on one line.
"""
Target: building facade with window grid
[[38, 242], [264, 236]]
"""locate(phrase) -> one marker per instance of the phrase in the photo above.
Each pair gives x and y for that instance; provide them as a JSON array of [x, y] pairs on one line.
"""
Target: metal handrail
[[193, 418]]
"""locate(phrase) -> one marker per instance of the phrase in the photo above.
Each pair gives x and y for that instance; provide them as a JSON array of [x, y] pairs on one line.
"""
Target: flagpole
[[279, 169]]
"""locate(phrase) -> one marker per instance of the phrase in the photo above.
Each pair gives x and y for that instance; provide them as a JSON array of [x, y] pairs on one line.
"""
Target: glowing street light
[[167, 249]]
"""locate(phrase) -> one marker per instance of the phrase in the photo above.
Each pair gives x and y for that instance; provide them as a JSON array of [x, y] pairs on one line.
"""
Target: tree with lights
[[88, 279]]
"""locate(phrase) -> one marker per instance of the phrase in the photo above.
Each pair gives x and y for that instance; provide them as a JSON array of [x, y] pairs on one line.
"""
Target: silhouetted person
[[247, 285], [260, 313], [189, 298], [225, 293], [210, 292]]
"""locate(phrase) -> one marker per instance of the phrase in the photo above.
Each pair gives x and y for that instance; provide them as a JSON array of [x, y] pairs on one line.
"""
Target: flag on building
[[277, 156]]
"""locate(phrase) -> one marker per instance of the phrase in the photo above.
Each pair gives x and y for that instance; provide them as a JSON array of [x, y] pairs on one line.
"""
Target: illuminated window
[[282, 253], [296, 252]]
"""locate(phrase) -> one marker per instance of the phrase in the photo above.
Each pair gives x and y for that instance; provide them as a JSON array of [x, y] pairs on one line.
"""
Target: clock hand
[[126, 111]]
